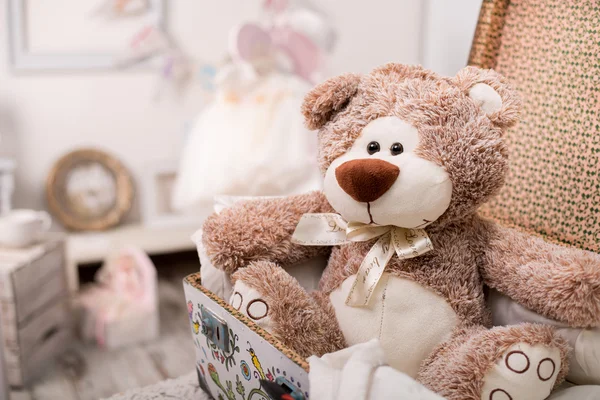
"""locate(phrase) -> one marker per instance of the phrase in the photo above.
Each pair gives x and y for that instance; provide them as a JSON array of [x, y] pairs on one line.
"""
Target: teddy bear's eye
[[373, 147], [396, 149]]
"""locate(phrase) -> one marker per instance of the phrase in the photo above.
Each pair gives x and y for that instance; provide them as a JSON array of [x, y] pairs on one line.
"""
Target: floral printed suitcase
[[235, 358]]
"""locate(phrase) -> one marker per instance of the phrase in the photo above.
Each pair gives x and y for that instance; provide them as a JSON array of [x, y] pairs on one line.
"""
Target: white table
[[93, 247]]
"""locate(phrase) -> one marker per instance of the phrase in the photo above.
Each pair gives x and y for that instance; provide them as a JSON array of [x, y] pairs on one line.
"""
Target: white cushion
[[584, 360]]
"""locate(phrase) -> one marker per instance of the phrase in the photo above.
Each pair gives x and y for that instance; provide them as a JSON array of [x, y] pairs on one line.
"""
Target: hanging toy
[[122, 8], [294, 40], [147, 43]]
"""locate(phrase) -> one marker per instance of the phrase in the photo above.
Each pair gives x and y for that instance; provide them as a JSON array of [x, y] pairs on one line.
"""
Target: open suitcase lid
[[233, 354], [547, 49]]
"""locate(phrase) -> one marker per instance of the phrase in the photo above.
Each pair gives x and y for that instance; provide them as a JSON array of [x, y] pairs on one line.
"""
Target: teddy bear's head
[[404, 146]]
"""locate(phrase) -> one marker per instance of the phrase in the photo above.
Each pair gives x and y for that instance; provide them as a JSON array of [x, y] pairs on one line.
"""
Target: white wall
[[448, 30], [374, 32], [45, 115]]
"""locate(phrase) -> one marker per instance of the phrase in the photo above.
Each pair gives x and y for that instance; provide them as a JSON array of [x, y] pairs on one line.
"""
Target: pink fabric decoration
[[126, 284], [252, 43]]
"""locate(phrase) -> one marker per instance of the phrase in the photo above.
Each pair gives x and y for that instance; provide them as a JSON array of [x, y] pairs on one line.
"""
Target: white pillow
[[585, 358]]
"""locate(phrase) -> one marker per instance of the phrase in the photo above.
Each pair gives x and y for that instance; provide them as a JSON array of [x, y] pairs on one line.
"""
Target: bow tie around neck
[[330, 229]]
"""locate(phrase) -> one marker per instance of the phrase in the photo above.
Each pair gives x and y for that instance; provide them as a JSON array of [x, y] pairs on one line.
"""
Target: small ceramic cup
[[21, 228]]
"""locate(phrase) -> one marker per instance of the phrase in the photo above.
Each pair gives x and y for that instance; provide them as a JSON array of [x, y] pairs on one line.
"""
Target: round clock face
[[91, 189]]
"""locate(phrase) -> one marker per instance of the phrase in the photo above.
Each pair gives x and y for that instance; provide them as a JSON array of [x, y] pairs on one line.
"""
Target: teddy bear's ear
[[490, 91], [321, 103]]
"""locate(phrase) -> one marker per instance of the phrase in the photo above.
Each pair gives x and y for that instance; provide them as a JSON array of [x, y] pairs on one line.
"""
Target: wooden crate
[[35, 309]]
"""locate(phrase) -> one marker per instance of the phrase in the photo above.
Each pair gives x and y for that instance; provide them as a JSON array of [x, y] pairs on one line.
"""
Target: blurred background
[[126, 122], [46, 113]]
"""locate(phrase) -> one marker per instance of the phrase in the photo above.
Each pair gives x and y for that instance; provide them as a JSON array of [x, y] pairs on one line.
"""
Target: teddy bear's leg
[[504, 363], [275, 301]]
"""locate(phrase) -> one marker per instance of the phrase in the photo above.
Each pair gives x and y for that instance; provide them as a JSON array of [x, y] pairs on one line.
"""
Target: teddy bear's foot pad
[[523, 372], [252, 304]]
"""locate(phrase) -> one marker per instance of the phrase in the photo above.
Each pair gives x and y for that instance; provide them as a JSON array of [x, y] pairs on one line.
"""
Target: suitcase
[[237, 359]]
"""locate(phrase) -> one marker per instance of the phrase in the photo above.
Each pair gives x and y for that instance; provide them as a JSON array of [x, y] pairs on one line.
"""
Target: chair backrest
[[549, 50]]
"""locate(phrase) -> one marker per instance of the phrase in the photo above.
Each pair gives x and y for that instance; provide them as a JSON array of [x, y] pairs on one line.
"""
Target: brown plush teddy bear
[[408, 157]]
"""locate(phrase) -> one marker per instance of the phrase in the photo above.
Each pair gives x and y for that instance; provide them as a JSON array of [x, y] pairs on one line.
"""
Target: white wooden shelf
[[93, 247]]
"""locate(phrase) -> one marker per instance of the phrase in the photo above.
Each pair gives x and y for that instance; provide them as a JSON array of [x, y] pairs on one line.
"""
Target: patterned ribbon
[[331, 230]]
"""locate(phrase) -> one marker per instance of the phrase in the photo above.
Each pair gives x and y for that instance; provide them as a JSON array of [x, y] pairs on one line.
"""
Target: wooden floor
[[88, 373]]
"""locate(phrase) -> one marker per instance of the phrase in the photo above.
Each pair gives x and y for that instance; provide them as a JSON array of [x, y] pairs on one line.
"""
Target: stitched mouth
[[369, 211], [425, 221]]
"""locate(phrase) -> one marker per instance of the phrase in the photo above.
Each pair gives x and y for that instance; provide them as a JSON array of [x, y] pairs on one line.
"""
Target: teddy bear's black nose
[[366, 180]]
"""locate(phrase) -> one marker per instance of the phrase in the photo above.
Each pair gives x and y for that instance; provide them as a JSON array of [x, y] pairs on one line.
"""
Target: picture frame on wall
[[7, 183], [156, 197], [77, 34]]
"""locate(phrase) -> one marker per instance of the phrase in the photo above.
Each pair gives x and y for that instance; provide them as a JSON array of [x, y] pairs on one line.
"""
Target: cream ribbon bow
[[330, 229]]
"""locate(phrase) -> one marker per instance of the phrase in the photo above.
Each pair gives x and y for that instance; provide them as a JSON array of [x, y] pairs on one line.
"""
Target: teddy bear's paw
[[252, 304], [523, 372]]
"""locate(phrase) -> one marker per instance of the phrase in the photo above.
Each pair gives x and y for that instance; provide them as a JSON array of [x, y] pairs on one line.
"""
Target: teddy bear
[[408, 157]]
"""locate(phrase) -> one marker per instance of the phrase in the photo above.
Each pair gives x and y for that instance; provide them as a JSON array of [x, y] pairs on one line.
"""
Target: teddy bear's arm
[[558, 282], [261, 230]]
